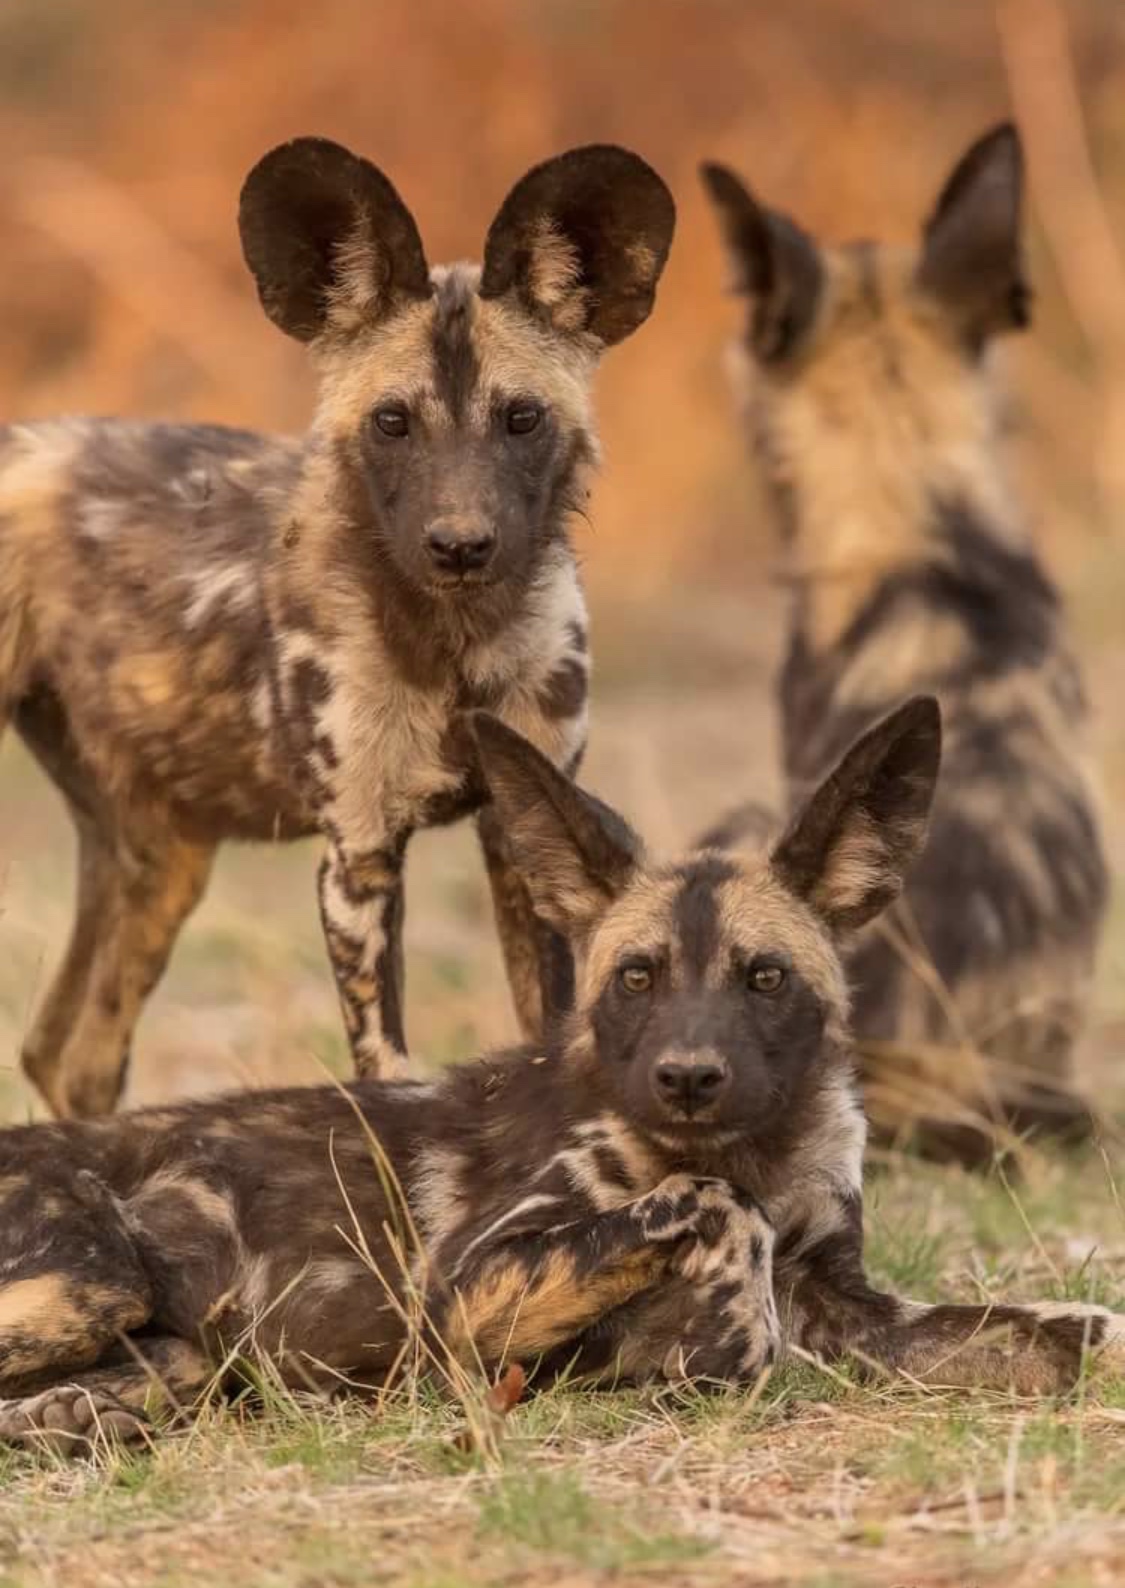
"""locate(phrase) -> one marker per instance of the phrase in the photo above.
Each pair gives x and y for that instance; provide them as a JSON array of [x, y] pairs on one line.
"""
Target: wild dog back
[[872, 409], [210, 634]]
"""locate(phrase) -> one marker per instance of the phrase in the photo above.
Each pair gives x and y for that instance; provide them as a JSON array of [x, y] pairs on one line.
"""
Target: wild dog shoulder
[[517, 1172]]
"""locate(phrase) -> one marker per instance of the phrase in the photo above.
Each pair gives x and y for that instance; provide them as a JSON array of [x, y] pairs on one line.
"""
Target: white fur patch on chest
[[378, 747]]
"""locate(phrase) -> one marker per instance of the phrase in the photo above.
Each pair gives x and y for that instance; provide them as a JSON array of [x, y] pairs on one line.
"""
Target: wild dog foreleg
[[528, 1293], [1036, 1348], [712, 1318], [719, 1322], [361, 906]]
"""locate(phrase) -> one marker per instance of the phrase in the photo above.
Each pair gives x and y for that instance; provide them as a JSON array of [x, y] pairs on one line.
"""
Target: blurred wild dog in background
[[671, 1187], [210, 634], [872, 412]]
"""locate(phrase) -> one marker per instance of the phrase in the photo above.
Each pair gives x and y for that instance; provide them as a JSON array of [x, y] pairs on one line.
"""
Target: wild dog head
[[710, 993], [455, 402], [865, 361]]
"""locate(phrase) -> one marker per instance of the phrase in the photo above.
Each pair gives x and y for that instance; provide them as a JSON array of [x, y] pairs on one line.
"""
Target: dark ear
[[773, 262], [848, 850], [972, 256], [574, 854], [581, 241], [328, 240]]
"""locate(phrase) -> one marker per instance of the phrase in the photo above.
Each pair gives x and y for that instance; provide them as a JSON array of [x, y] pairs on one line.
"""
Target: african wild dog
[[872, 410], [670, 1187], [210, 634]]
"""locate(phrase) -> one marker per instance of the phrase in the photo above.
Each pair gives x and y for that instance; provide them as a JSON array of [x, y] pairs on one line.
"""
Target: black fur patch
[[456, 365], [696, 910], [564, 693]]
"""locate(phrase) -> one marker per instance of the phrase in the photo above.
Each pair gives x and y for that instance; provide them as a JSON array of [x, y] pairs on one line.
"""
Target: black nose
[[459, 547], [690, 1086]]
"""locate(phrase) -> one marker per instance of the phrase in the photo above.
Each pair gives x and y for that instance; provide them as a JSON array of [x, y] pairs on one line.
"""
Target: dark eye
[[766, 978], [393, 420], [635, 978], [523, 418]]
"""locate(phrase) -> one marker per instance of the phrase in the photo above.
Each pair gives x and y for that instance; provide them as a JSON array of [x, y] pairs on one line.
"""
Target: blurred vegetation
[[129, 127]]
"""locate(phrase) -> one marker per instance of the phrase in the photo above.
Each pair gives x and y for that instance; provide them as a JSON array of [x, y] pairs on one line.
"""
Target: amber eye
[[523, 418], [635, 978], [767, 978], [393, 421]]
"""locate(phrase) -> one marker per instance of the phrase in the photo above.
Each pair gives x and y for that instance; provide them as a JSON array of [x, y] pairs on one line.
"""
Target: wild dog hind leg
[[159, 879], [72, 1280], [1036, 1348], [153, 1377], [60, 1007], [527, 1287]]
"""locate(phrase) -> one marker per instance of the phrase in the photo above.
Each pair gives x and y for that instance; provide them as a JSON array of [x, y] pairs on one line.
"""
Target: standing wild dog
[[671, 1186], [210, 634], [872, 414]]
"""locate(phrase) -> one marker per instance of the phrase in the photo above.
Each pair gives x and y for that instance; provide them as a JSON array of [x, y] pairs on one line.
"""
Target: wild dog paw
[[733, 1338], [734, 1333], [741, 1360], [677, 1205], [71, 1421]]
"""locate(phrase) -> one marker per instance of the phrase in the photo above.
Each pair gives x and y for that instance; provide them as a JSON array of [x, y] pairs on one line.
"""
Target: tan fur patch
[[921, 643], [640, 922], [213, 1206], [506, 1313], [855, 868], [890, 386], [36, 1306], [555, 269], [759, 914]]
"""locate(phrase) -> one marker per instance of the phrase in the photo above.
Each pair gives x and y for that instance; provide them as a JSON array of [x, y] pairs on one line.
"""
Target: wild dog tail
[[957, 1104]]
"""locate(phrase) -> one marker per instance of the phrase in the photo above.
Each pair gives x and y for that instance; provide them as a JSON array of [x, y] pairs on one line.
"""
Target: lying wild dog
[[872, 414], [671, 1187], [210, 634]]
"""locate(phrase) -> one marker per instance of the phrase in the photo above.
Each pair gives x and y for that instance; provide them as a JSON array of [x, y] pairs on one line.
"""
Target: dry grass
[[818, 1482], [815, 1482]]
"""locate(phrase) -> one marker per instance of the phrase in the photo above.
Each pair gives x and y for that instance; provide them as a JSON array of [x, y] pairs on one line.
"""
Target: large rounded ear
[[328, 240], [773, 262], [847, 852], [574, 854], [580, 242], [972, 253]]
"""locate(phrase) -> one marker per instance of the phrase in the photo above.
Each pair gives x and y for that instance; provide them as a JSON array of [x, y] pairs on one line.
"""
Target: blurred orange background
[[129, 127]]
